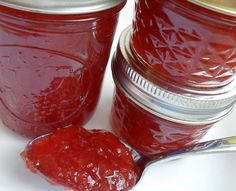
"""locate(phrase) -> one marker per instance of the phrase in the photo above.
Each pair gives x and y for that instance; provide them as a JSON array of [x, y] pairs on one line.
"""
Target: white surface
[[15, 177]]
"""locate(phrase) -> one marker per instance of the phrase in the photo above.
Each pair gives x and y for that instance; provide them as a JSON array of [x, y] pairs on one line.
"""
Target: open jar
[[190, 43], [158, 119], [53, 56]]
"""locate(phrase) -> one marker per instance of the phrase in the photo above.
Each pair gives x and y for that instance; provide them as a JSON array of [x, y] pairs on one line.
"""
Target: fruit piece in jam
[[82, 160]]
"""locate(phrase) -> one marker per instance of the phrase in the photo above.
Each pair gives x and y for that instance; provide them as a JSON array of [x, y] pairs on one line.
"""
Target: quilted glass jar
[[52, 61], [189, 43], [158, 119]]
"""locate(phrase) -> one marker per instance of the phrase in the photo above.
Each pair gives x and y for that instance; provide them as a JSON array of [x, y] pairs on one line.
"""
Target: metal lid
[[227, 7], [61, 6], [185, 108]]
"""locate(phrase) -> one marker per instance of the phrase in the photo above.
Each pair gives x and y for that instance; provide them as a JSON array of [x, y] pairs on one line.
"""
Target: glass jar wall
[[184, 43], [52, 67]]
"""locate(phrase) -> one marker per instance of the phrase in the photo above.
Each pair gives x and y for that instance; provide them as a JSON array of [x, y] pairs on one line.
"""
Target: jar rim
[[226, 7], [62, 7]]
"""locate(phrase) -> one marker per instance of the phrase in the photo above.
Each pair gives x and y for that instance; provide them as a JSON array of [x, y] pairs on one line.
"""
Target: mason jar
[[156, 119], [53, 55]]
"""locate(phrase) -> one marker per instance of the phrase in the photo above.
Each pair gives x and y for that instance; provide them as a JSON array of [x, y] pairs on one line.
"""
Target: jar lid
[[185, 108], [227, 7], [61, 6]]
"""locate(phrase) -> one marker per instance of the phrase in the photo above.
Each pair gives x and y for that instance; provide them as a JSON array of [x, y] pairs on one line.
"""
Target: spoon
[[224, 145], [209, 147]]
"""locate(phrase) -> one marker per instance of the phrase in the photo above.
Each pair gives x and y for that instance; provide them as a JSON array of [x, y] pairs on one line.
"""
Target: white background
[[15, 177]]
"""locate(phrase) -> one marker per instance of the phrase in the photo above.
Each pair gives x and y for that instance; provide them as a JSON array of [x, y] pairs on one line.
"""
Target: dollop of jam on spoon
[[79, 159]]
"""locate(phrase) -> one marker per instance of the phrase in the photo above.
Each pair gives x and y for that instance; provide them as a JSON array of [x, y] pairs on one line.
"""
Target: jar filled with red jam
[[158, 119], [190, 43], [53, 56]]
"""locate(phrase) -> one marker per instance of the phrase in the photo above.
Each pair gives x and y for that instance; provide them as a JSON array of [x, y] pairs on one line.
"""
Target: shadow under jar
[[156, 120], [190, 43], [52, 61]]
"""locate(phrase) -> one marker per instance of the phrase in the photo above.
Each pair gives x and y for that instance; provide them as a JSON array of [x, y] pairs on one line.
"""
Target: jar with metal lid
[[157, 119], [190, 43], [53, 56]]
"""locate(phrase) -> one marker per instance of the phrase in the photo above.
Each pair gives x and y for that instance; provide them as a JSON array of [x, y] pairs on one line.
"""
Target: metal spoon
[[225, 145]]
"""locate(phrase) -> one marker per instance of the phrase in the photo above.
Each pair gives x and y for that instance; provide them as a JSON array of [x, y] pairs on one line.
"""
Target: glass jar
[[189, 43], [156, 120], [52, 61]]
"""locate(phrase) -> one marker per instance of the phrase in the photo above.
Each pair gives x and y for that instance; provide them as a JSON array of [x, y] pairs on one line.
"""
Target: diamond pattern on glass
[[182, 48]]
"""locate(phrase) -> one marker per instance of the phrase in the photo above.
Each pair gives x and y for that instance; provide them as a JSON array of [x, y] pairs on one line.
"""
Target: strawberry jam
[[52, 67], [185, 44], [82, 160]]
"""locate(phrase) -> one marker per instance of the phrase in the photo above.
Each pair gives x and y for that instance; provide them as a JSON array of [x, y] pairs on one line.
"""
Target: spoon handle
[[213, 146], [209, 147]]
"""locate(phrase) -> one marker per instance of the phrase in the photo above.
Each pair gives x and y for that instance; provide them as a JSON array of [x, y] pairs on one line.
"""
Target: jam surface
[[51, 68], [185, 44], [150, 135], [82, 160]]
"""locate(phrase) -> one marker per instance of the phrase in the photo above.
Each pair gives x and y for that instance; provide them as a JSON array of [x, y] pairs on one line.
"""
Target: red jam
[[52, 67], [149, 134], [83, 160], [185, 44]]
